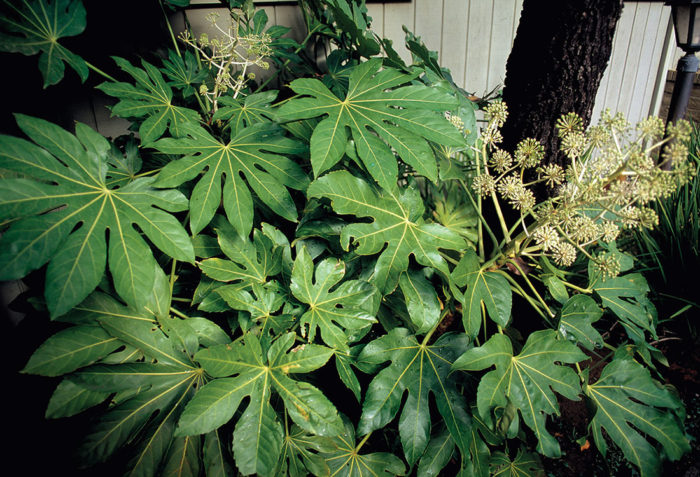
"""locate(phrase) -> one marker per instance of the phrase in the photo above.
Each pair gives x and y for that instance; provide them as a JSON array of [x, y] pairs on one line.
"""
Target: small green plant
[[256, 261], [670, 250]]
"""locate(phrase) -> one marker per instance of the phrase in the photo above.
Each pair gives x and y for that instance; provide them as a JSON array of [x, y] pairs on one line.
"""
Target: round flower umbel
[[614, 173], [230, 55]]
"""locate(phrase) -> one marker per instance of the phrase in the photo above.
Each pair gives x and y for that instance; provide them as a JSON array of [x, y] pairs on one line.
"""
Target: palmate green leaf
[[525, 464], [477, 464], [351, 306], [576, 321], [123, 167], [183, 73], [301, 454], [379, 119], [37, 25], [183, 459], [150, 395], [486, 287], [248, 261], [66, 210], [159, 442], [239, 113], [632, 407], [396, 222], [421, 370], [525, 380], [346, 460], [71, 349], [253, 158], [258, 435], [626, 297], [262, 305], [352, 20], [123, 422], [151, 98]]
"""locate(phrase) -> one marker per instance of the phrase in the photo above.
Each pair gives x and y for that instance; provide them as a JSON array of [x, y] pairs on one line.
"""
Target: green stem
[[99, 71], [580, 373], [362, 442], [482, 220], [172, 276], [574, 287], [170, 29], [178, 313], [519, 290], [501, 219], [532, 287]]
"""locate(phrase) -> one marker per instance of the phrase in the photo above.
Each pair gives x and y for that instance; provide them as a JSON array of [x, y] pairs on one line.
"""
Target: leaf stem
[[99, 71], [362, 442], [532, 287], [170, 29], [178, 313], [173, 277]]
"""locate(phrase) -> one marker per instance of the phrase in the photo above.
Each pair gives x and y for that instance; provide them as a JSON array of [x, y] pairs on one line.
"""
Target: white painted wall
[[474, 37]]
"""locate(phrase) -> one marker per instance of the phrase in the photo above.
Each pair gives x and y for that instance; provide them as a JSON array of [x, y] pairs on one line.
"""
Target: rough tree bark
[[558, 58]]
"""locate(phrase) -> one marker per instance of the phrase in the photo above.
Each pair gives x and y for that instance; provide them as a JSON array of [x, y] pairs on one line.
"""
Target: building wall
[[473, 39]]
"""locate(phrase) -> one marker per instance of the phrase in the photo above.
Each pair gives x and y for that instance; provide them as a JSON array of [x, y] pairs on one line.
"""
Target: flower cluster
[[230, 55], [615, 170]]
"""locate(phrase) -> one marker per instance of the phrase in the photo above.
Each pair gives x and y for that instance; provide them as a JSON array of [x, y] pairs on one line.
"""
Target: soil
[[679, 344]]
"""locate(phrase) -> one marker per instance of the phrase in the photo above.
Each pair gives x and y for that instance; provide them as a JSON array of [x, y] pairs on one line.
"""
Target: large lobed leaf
[[346, 460], [630, 406], [421, 370], [379, 119], [64, 209], [397, 222], [239, 113], [149, 383], [526, 380], [37, 26], [252, 159], [350, 307], [151, 97], [258, 435]]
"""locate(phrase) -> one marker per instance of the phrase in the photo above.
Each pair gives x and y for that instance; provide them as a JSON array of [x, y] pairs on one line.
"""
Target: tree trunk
[[558, 58]]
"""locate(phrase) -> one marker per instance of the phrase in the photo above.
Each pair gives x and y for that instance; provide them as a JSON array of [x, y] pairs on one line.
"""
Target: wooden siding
[[473, 39]]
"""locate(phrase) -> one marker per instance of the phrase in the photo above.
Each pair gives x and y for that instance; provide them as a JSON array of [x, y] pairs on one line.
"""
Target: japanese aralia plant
[[301, 280]]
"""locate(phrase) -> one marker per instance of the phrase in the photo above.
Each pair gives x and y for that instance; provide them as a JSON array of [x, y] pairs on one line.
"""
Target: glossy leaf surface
[[350, 306], [421, 370], [254, 158], [526, 380], [66, 211], [576, 321], [489, 288], [258, 434], [36, 26], [397, 229], [628, 402], [347, 461], [379, 118], [150, 98]]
